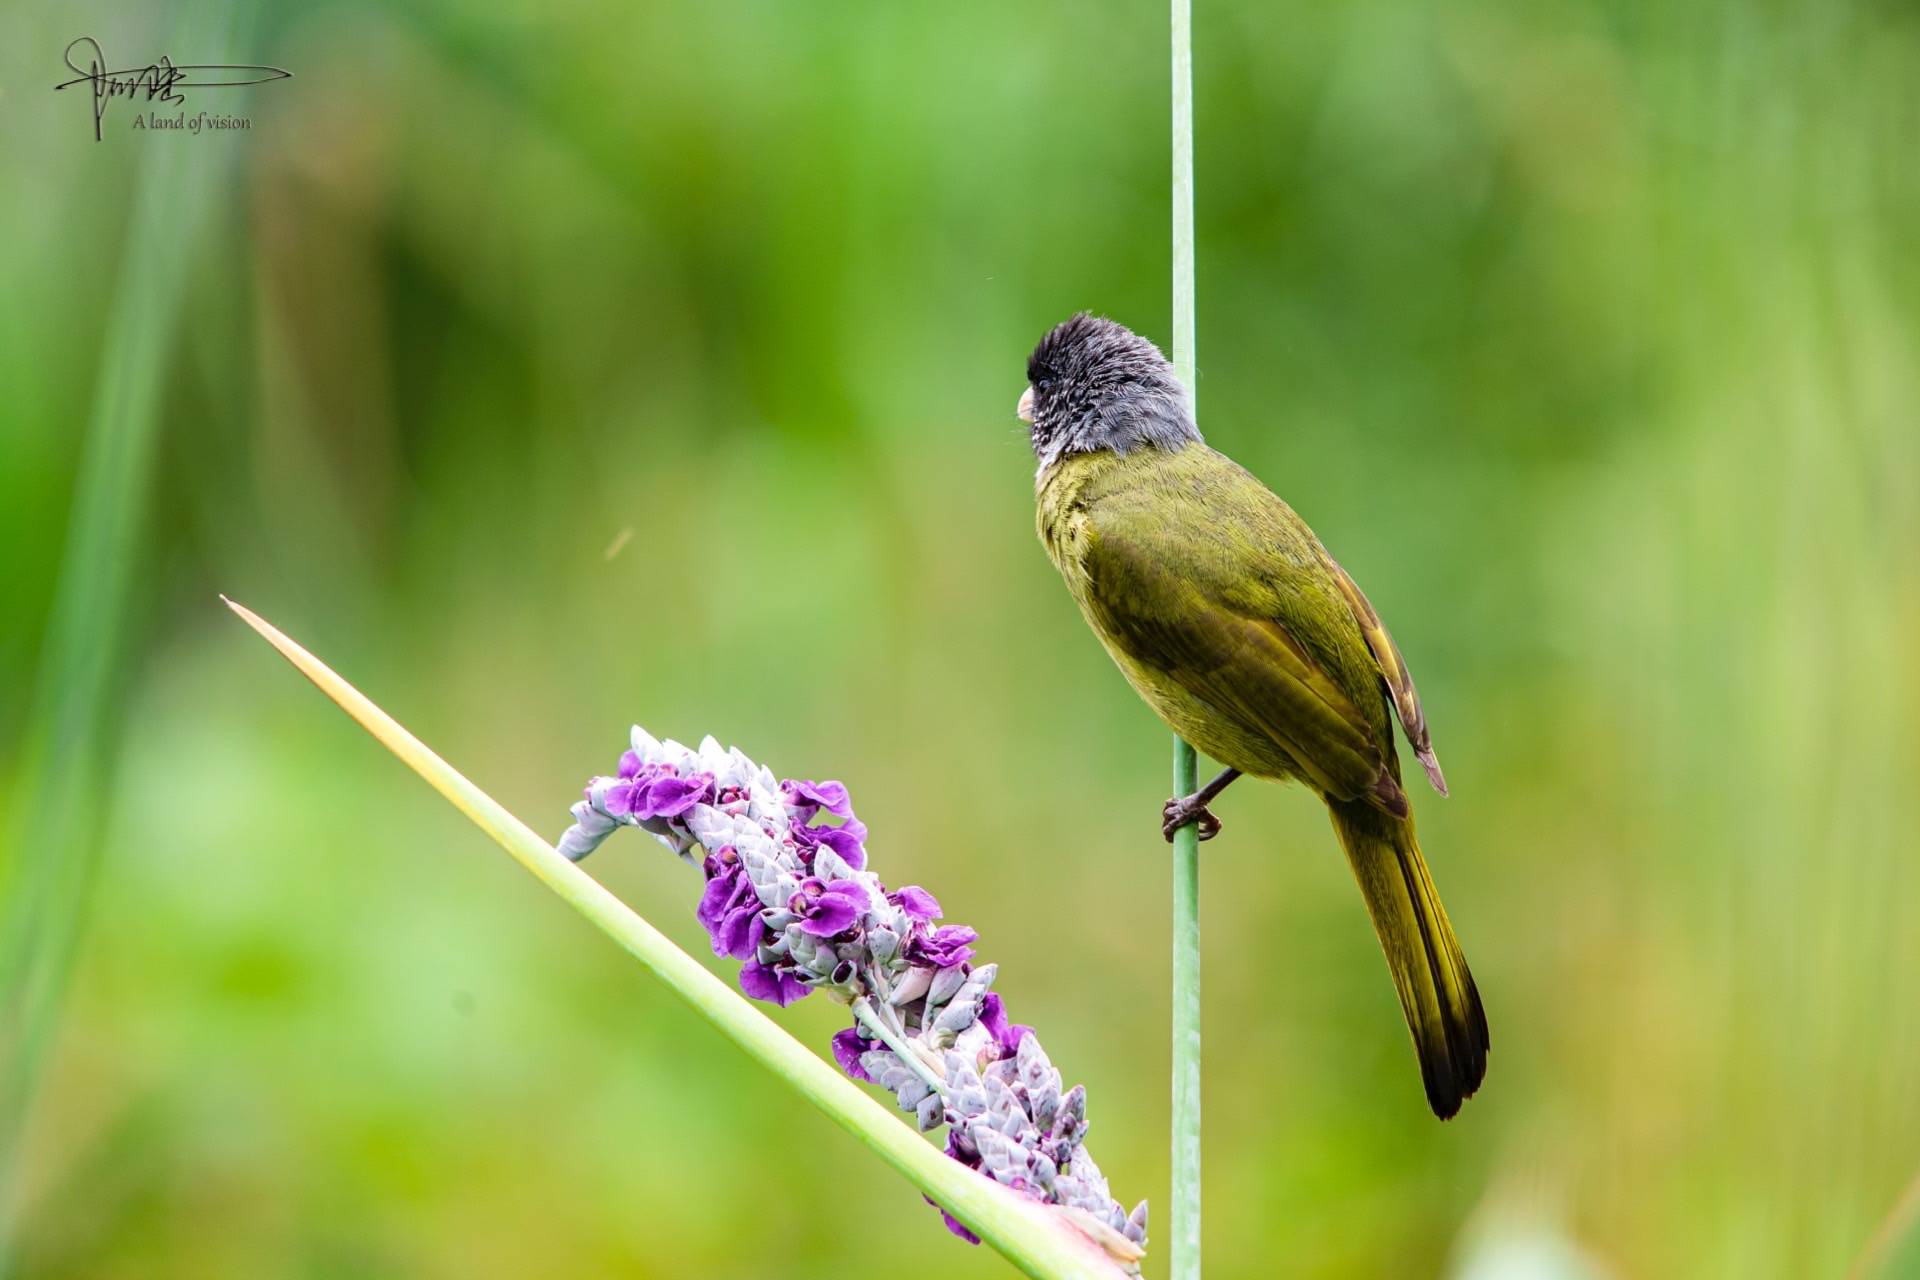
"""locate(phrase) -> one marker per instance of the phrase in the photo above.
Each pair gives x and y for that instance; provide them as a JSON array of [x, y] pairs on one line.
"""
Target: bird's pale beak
[[1026, 405]]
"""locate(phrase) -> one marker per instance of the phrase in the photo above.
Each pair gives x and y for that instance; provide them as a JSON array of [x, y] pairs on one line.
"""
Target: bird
[[1231, 620]]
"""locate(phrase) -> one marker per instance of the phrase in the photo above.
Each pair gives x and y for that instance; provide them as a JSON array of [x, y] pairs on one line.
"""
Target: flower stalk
[[863, 1011]]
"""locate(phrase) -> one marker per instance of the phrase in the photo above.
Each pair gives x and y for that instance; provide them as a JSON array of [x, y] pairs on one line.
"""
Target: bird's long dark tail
[[1436, 990]]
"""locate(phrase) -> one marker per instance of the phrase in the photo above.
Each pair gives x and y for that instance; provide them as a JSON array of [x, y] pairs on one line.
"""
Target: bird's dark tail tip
[[1453, 1077], [1437, 991]]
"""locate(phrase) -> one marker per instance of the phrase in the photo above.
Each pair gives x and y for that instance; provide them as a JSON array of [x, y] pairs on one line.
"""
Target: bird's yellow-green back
[[1188, 551]]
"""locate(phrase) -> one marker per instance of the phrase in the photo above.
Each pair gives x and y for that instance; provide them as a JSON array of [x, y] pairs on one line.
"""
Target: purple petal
[[847, 1048], [958, 1148], [714, 901], [853, 891], [831, 796], [630, 765], [953, 1223], [918, 904], [771, 985], [669, 797], [620, 801], [993, 1014], [739, 934], [831, 913], [726, 892], [848, 841], [943, 948]]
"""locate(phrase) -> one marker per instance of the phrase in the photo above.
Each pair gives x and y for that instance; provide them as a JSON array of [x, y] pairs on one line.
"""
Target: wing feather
[[1249, 668], [1393, 670]]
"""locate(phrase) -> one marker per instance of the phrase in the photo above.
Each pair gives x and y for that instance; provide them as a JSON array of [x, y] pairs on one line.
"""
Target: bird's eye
[[1044, 385]]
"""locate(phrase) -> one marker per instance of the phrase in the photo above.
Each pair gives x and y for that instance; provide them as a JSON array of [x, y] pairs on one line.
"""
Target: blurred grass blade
[[1032, 1237], [51, 841]]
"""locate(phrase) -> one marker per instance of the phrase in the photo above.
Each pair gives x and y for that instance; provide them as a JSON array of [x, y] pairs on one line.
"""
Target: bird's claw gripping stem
[[1184, 809], [1181, 810]]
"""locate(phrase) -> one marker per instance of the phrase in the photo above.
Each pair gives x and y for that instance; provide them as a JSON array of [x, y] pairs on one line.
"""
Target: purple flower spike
[[829, 909], [945, 948], [772, 985], [811, 797], [848, 1045], [919, 905], [929, 1028]]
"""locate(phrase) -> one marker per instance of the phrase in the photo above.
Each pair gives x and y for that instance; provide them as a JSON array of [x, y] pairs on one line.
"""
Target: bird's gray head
[[1093, 384]]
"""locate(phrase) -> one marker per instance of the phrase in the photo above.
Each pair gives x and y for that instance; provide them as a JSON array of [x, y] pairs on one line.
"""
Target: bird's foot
[[1184, 809]]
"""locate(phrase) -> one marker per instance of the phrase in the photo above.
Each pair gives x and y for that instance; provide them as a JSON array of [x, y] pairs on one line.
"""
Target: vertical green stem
[[1185, 1247], [1185, 1216]]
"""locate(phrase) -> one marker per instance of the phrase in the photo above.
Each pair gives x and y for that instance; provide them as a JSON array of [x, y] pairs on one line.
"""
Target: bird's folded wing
[[1393, 670], [1250, 669]]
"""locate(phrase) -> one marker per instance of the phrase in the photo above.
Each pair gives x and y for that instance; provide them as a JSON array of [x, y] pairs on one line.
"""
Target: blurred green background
[[1583, 331]]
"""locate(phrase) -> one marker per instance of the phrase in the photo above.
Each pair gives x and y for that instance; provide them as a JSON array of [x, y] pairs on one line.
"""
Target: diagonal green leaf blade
[[1038, 1240]]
